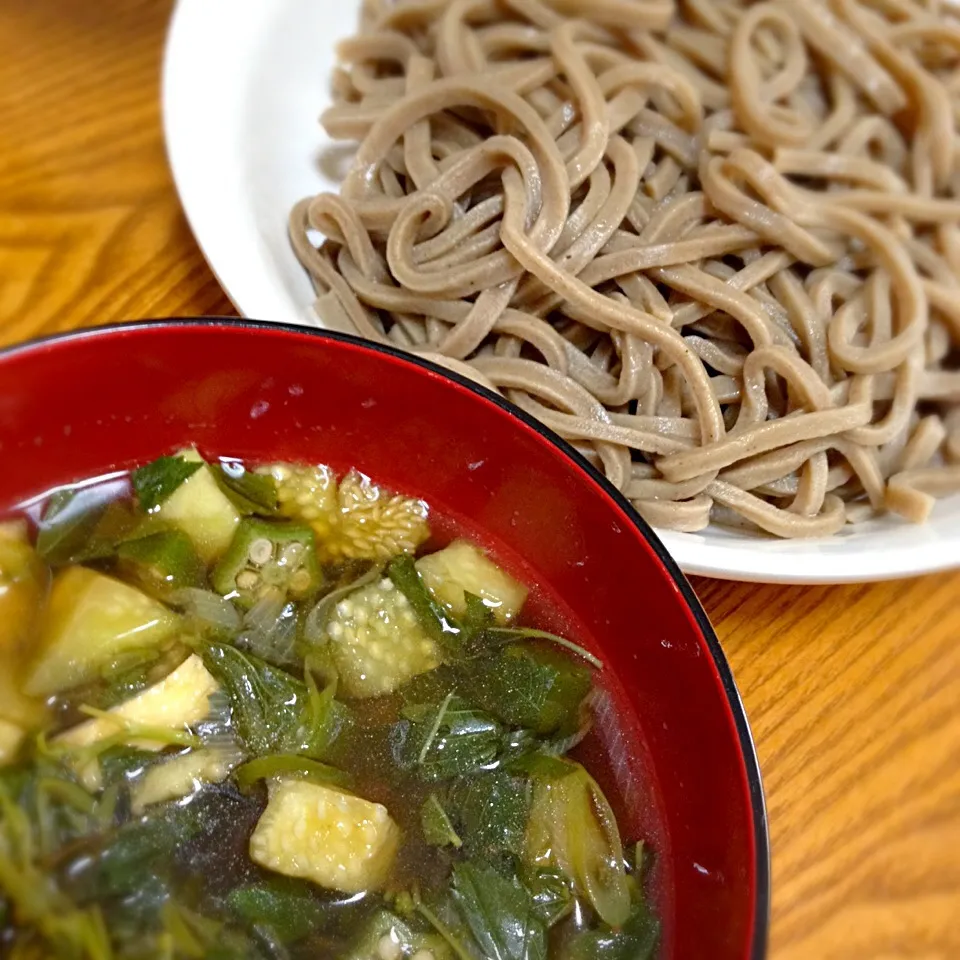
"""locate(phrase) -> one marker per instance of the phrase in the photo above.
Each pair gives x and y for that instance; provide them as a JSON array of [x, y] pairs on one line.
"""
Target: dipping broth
[[254, 713]]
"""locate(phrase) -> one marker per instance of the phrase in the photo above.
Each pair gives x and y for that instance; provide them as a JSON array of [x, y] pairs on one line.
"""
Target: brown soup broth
[[214, 822]]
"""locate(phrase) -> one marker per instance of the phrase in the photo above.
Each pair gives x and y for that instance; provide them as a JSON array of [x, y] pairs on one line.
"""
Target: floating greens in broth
[[253, 713]]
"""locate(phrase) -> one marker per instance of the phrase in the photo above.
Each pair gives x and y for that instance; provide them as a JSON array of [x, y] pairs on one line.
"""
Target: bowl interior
[[102, 400]]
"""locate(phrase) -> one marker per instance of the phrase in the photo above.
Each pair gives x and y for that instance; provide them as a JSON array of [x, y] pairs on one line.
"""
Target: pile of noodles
[[715, 244]]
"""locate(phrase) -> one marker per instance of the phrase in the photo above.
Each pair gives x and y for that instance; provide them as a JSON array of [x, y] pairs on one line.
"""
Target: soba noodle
[[715, 244]]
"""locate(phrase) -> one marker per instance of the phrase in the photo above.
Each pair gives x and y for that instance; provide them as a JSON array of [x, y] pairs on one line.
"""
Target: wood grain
[[853, 692]]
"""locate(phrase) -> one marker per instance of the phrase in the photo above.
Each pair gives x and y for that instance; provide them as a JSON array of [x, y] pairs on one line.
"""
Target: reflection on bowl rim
[[762, 892]]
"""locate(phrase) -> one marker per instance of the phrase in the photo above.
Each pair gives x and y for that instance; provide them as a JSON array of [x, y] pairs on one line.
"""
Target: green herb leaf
[[138, 848], [552, 895], [445, 741], [121, 680], [434, 619], [445, 919], [500, 914], [122, 763], [438, 831], [491, 811], [475, 621], [537, 688], [155, 482], [82, 525], [290, 908], [248, 491], [635, 940], [272, 710], [161, 562]]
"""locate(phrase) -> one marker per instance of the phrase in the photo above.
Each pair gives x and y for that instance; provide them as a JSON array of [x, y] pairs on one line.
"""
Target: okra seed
[[422, 955], [260, 551], [247, 580], [292, 554], [300, 581], [388, 948]]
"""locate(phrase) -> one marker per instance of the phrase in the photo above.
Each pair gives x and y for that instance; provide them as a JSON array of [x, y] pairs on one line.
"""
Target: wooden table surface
[[853, 692]]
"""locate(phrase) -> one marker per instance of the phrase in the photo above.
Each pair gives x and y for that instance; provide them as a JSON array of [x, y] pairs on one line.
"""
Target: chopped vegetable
[[269, 629], [127, 676], [161, 563], [273, 711], [207, 611], [265, 557], [23, 584], [376, 641], [573, 829], [182, 775], [433, 618], [319, 833], [90, 620], [374, 524], [308, 494], [250, 491], [461, 569], [199, 507], [538, 688], [288, 765], [387, 937], [178, 702], [157, 481], [314, 628], [358, 520]]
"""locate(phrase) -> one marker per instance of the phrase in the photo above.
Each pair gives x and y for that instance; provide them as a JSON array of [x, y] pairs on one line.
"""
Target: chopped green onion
[[275, 765]]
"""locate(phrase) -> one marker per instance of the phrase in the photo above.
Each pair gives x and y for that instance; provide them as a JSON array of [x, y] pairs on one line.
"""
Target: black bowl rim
[[748, 750]]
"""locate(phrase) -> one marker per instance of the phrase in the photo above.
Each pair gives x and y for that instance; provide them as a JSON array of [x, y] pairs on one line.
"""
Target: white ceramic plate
[[244, 83]]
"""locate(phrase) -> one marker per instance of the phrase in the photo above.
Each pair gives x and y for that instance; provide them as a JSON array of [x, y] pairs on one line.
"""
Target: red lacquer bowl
[[94, 401]]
